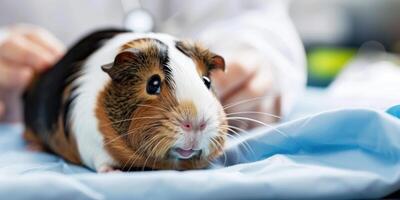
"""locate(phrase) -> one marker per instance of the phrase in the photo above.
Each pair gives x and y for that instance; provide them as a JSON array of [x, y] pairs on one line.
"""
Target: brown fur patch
[[143, 43], [57, 143], [185, 111], [204, 59], [130, 74], [66, 147]]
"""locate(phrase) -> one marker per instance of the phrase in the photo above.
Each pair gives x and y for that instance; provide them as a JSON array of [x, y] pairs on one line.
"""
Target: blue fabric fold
[[350, 153]]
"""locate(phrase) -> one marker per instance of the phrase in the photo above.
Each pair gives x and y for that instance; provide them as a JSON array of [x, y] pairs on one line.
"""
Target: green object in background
[[325, 63]]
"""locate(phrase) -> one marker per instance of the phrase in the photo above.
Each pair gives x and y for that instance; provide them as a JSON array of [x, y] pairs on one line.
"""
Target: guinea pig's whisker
[[116, 138], [122, 135], [126, 134], [242, 102], [253, 112], [261, 123], [241, 122], [161, 150], [151, 106], [139, 154], [152, 152], [149, 145], [246, 144], [155, 160], [236, 137], [142, 154], [150, 148], [219, 146], [130, 158], [132, 164], [236, 128], [210, 162], [130, 119]]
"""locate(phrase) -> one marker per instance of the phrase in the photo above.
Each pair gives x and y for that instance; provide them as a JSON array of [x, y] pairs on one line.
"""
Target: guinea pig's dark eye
[[154, 85], [207, 81]]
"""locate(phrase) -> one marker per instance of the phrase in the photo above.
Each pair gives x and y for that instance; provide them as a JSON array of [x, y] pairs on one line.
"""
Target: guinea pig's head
[[159, 109]]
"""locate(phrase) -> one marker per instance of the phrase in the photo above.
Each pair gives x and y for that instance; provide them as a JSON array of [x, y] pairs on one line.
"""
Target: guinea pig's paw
[[108, 169]]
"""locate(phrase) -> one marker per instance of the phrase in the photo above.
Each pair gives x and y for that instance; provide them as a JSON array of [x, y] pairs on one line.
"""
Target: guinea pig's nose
[[189, 126], [202, 125]]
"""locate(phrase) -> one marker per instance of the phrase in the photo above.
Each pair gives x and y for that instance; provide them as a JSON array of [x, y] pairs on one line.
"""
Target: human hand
[[1, 109], [243, 91], [26, 50]]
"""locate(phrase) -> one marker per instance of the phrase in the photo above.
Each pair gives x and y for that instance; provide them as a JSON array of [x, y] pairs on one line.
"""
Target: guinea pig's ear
[[217, 63], [107, 67], [125, 57]]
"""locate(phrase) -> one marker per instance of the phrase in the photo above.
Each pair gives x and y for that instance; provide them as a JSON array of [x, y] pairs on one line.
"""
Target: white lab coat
[[245, 31]]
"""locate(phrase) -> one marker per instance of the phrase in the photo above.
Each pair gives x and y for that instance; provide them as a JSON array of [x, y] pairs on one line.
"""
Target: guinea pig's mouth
[[184, 153]]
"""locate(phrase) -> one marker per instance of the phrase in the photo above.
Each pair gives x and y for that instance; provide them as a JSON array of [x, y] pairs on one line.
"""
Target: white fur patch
[[189, 86]]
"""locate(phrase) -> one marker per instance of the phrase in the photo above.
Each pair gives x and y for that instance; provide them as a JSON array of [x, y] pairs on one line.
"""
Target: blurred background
[[334, 32]]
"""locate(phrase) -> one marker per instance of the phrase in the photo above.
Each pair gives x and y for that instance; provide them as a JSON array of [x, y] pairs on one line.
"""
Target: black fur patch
[[43, 101], [164, 60]]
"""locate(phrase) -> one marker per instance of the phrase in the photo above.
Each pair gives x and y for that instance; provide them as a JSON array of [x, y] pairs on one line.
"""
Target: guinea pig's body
[[122, 100]]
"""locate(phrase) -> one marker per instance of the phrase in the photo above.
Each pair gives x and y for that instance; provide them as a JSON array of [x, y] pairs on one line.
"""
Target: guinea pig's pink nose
[[202, 125], [189, 126]]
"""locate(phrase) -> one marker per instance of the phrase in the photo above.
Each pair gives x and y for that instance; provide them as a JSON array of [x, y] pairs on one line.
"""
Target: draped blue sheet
[[347, 153]]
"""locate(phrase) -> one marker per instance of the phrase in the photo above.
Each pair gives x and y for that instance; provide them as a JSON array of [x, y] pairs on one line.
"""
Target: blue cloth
[[395, 111], [352, 153]]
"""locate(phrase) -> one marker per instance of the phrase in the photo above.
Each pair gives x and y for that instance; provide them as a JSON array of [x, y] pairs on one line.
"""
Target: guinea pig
[[120, 100]]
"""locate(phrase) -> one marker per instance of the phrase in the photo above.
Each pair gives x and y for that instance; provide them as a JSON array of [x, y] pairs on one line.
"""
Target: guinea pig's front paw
[[107, 169]]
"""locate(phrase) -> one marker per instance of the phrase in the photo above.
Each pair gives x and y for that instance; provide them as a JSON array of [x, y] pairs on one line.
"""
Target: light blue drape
[[351, 153]]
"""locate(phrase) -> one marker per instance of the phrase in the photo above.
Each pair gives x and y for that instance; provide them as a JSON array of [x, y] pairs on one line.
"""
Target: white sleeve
[[265, 35]]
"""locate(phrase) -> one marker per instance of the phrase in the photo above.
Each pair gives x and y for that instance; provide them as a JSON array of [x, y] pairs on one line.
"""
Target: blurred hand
[[26, 50], [242, 91], [1, 109]]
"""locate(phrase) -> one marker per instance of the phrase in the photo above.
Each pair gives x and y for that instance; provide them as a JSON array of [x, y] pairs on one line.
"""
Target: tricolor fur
[[92, 108]]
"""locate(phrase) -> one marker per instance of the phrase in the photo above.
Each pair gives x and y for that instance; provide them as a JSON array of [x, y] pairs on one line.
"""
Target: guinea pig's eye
[[154, 85], [207, 81]]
